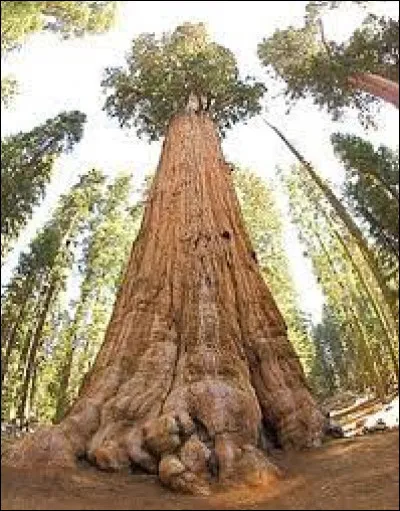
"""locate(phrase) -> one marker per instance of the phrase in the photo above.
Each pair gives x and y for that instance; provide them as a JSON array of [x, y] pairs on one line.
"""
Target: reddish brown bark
[[377, 86], [196, 366]]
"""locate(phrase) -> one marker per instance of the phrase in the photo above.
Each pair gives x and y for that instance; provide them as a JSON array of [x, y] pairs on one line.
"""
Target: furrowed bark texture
[[196, 368]]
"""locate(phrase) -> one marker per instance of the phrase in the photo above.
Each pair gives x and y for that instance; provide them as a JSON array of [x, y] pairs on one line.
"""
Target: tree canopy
[[85, 242], [366, 327], [197, 281], [312, 66], [70, 19], [163, 72], [9, 89], [38, 282], [27, 161], [19, 20], [371, 188]]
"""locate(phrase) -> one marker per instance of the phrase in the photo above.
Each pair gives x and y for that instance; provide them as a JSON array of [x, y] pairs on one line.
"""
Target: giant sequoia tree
[[335, 75], [264, 224], [196, 368]]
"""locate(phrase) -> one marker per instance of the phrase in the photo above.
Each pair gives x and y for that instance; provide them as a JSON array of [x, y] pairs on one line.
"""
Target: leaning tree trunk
[[377, 86], [355, 231], [196, 366]]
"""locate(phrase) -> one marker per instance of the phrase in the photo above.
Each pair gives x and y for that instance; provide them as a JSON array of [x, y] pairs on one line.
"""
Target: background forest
[[316, 172]]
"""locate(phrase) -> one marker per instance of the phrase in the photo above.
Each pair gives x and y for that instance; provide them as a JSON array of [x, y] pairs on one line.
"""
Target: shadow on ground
[[359, 473]]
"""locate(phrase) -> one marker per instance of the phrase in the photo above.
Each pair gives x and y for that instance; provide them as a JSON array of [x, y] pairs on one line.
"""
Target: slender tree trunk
[[10, 344], [354, 230], [365, 350], [33, 352], [26, 344], [70, 345], [328, 370], [390, 334], [392, 194], [8, 337], [350, 367], [31, 398], [195, 358], [339, 367], [65, 375], [376, 86]]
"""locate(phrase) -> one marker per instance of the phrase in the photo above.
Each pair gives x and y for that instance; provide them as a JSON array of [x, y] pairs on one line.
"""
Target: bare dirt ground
[[358, 473]]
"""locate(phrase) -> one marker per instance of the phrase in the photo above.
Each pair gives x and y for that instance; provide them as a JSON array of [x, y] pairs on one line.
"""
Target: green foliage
[[21, 19], [311, 66], [27, 161], [373, 48], [9, 89], [262, 219], [84, 246], [315, 10], [18, 19], [330, 368], [340, 211], [161, 74], [70, 19], [371, 189], [367, 336], [39, 281], [105, 251]]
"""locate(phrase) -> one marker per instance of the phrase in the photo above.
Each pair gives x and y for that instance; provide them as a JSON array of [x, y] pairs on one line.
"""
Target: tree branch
[[323, 39]]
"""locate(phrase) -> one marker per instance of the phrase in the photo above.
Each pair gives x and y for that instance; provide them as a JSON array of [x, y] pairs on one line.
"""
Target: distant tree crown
[[311, 65]]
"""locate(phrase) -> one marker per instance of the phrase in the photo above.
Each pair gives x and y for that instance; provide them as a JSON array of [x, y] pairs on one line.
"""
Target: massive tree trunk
[[196, 368]]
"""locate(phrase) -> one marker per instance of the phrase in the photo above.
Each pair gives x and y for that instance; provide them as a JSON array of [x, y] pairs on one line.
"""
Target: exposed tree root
[[196, 371]]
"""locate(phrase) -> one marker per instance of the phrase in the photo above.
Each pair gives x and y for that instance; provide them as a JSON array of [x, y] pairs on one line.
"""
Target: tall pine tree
[[27, 161]]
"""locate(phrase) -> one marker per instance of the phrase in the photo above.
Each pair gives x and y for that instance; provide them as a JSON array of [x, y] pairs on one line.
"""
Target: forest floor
[[350, 473]]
